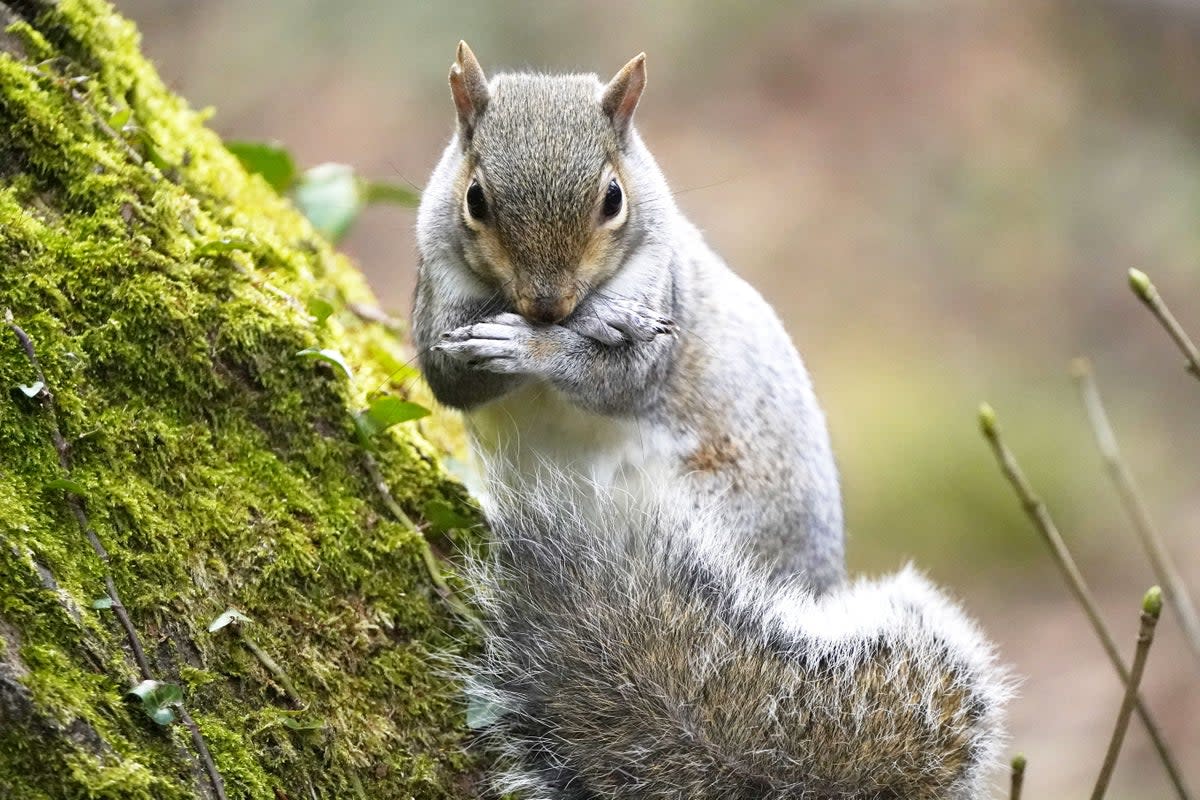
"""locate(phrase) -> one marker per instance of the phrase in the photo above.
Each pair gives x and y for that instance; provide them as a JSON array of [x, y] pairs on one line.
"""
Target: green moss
[[220, 469]]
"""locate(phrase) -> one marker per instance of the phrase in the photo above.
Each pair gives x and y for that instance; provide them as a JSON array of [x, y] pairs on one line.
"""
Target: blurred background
[[940, 197]]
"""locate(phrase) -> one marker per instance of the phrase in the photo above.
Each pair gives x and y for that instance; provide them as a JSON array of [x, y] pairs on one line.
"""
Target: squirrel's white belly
[[535, 429]]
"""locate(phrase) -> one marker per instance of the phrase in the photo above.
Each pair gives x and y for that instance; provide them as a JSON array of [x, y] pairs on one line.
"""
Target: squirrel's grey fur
[[645, 659], [670, 368], [665, 602]]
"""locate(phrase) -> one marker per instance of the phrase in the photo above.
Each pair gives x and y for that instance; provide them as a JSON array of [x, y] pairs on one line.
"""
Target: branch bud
[[1141, 285], [1152, 603], [987, 420]]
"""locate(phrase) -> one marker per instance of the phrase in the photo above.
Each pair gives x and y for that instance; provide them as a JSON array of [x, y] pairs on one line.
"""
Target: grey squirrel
[[667, 609]]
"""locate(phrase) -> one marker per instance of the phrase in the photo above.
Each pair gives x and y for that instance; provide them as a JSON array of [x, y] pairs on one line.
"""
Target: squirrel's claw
[[499, 344], [616, 321]]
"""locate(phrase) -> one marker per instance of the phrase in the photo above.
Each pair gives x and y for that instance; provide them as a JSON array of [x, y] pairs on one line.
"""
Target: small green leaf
[[163, 715], [102, 602], [329, 357], [67, 485], [223, 245], [302, 724], [386, 411], [148, 145], [158, 700], [231, 615], [394, 193], [33, 389], [482, 712], [442, 516], [118, 120], [331, 196], [319, 308], [269, 159]]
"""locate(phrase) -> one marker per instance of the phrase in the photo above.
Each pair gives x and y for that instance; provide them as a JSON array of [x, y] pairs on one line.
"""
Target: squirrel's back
[[643, 660]]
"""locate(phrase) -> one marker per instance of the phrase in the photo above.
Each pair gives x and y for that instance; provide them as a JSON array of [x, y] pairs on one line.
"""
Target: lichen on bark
[[165, 291]]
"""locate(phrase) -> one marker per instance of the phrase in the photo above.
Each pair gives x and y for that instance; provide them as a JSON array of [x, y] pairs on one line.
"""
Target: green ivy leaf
[[329, 357], [394, 193], [482, 712], [269, 159], [67, 485], [302, 724], [117, 121], [442, 516], [32, 390], [158, 700], [102, 602], [224, 245], [386, 411], [319, 308], [331, 196], [149, 146], [231, 615]]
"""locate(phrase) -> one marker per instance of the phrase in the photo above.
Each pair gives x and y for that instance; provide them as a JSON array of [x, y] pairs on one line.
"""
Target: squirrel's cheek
[[489, 259], [600, 259]]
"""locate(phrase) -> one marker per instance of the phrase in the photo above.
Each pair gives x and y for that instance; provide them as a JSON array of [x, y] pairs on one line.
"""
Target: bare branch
[[1151, 608], [1040, 515], [1018, 778], [1168, 575], [1145, 291]]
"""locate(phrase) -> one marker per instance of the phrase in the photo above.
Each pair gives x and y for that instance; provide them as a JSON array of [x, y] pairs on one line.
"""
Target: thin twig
[[1151, 608], [202, 748], [135, 643], [431, 561], [1040, 515], [1168, 576], [1145, 291], [1018, 778], [386, 493], [75, 503], [271, 666], [356, 783]]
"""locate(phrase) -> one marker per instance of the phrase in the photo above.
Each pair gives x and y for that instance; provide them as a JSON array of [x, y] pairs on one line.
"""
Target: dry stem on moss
[[63, 449]]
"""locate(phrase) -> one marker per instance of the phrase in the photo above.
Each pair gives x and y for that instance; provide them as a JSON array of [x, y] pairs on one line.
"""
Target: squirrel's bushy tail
[[633, 656]]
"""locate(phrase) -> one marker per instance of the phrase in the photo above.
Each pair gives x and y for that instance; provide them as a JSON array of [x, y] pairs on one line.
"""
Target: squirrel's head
[[543, 197]]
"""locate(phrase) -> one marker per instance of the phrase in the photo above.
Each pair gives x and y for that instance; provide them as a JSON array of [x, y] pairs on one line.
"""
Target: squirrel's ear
[[620, 96], [469, 86]]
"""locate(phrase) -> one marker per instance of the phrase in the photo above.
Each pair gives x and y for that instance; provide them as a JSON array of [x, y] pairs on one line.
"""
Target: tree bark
[[180, 459]]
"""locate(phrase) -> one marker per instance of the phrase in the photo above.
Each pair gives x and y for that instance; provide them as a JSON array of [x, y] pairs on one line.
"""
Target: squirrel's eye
[[477, 205], [612, 199]]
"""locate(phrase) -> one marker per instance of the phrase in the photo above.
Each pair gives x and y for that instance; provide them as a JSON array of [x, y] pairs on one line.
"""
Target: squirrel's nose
[[547, 309]]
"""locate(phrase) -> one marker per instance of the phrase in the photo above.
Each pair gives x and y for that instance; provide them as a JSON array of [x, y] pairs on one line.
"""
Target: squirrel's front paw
[[502, 344], [617, 321]]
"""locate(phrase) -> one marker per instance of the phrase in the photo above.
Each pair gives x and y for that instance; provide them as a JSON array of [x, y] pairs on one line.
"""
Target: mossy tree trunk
[[164, 294]]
